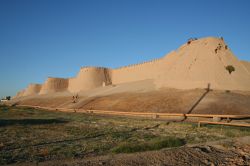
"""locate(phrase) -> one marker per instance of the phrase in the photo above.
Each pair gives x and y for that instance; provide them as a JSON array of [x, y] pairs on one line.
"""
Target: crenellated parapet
[[151, 62], [86, 68]]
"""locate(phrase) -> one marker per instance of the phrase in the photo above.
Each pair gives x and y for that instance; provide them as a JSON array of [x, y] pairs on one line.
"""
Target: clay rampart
[[136, 72], [194, 65], [52, 85], [32, 89], [19, 94], [89, 78]]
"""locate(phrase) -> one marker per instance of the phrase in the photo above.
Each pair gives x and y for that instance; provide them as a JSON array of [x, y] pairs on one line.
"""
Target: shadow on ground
[[208, 89], [10, 122]]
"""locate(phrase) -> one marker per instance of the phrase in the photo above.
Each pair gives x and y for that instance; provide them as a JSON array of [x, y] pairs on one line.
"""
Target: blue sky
[[41, 38]]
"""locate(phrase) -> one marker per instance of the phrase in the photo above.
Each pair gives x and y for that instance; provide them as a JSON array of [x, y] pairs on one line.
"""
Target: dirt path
[[200, 155]]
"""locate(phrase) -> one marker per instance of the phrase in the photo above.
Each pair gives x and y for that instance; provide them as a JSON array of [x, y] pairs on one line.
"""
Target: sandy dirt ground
[[224, 153]]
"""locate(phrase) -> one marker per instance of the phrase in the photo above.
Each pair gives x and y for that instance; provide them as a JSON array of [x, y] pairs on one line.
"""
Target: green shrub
[[230, 69], [154, 144]]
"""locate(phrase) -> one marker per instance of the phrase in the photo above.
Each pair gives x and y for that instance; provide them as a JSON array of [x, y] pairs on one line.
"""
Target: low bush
[[154, 144], [230, 69]]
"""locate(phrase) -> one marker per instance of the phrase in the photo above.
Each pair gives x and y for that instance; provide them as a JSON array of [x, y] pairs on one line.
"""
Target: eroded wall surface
[[52, 85], [32, 89]]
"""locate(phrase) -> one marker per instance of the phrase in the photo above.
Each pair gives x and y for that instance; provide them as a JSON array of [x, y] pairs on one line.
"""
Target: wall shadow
[[200, 99], [197, 102], [10, 122]]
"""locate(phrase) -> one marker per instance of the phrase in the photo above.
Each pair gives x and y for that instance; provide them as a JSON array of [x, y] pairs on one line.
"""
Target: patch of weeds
[[227, 144], [222, 127], [212, 126], [244, 129], [154, 144], [147, 136], [121, 135], [230, 133], [5, 109], [194, 126]]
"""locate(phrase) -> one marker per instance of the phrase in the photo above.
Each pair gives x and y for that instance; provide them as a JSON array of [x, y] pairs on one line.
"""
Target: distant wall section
[[32, 89], [52, 85], [19, 94]]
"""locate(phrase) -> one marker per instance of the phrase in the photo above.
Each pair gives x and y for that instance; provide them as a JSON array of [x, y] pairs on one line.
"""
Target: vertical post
[[208, 87]]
